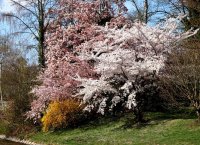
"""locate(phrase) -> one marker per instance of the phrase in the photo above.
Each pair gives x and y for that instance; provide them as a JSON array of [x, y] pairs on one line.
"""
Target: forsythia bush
[[61, 114]]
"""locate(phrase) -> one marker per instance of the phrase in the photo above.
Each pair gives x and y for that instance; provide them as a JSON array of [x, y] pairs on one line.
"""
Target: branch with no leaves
[[9, 15]]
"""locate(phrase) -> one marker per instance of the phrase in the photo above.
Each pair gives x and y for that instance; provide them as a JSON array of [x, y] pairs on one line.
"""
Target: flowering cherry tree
[[73, 23], [123, 58], [95, 53]]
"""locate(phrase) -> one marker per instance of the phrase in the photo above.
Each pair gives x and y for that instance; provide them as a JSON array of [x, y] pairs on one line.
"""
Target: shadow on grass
[[179, 114], [128, 120], [155, 118], [101, 121]]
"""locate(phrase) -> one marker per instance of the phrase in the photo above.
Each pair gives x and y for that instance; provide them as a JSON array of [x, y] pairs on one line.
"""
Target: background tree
[[182, 69], [157, 10], [182, 74], [5, 55], [172, 8], [32, 17], [17, 80], [193, 7], [146, 11], [141, 10]]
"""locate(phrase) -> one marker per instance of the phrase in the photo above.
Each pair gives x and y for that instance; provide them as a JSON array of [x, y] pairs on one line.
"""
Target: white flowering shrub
[[120, 57]]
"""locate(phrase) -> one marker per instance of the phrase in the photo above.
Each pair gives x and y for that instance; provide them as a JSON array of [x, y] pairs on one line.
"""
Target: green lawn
[[170, 129]]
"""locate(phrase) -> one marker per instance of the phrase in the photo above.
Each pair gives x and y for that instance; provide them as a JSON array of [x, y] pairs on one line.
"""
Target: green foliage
[[17, 84], [3, 127], [17, 80], [61, 114]]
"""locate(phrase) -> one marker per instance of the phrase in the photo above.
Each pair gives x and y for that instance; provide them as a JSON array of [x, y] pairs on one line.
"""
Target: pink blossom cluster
[[75, 22]]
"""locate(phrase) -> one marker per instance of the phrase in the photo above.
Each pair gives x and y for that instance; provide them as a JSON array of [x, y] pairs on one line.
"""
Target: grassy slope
[[163, 129]]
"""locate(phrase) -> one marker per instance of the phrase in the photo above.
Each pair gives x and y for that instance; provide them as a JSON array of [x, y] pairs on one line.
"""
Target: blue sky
[[5, 6], [129, 5]]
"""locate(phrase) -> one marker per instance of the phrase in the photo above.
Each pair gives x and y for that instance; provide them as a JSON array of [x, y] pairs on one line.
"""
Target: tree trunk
[[139, 115], [146, 7], [41, 34], [41, 48], [198, 115]]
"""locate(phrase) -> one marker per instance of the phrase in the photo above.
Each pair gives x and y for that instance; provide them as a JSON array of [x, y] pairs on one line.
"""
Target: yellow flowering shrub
[[61, 114]]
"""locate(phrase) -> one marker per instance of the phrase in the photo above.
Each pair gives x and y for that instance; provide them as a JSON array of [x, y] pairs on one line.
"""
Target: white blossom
[[129, 52], [131, 103]]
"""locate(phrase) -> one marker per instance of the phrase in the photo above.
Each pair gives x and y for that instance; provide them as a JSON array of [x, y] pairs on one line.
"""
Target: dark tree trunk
[[146, 8], [41, 34], [139, 116], [41, 48], [198, 115]]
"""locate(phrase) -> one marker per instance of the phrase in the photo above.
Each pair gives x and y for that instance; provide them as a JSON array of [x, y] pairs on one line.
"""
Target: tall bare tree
[[191, 8], [183, 66], [4, 54], [33, 18], [144, 10]]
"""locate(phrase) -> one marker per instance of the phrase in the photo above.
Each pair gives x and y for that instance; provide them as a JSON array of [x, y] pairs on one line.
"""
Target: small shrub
[[61, 114]]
